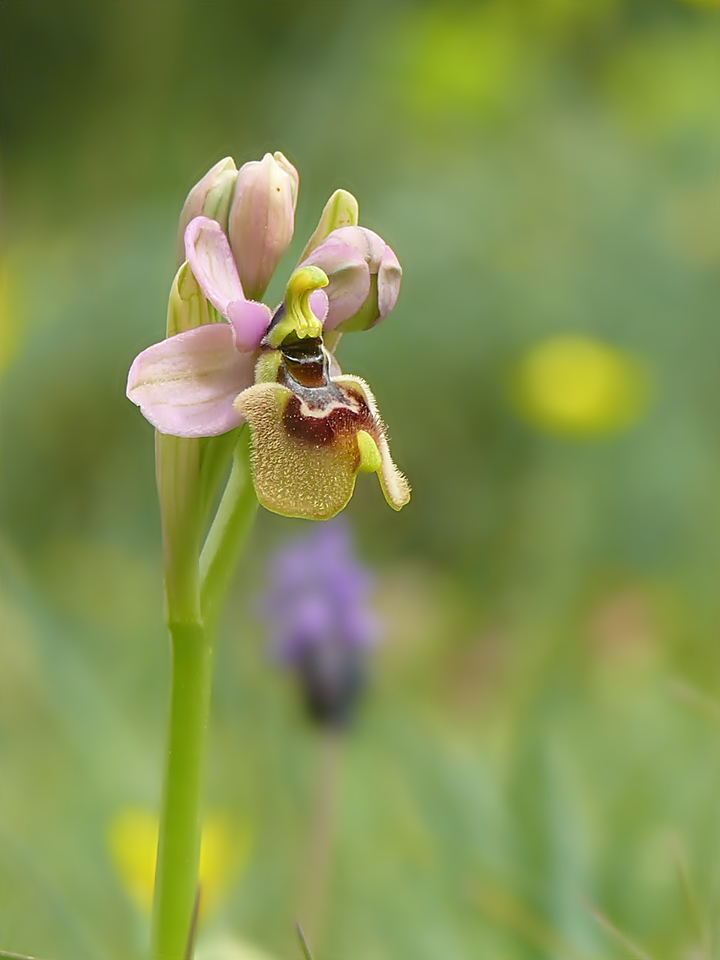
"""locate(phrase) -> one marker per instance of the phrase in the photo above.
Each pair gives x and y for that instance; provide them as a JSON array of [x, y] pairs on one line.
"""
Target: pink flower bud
[[210, 197], [262, 219]]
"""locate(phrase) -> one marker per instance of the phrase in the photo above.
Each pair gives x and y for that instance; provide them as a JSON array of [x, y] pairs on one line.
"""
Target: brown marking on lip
[[340, 424]]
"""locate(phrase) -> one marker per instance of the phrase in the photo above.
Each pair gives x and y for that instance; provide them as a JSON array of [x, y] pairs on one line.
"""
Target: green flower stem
[[194, 591], [177, 471], [228, 534], [176, 878], [176, 875], [215, 455]]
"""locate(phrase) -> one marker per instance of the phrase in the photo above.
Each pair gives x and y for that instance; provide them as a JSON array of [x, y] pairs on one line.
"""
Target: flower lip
[[313, 433]]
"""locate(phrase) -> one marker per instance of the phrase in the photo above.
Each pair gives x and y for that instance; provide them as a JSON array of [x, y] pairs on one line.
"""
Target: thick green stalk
[[176, 878], [194, 590], [215, 455], [188, 472], [177, 463], [176, 874]]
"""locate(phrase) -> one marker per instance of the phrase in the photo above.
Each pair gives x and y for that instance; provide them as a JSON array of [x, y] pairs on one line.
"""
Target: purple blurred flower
[[319, 619]]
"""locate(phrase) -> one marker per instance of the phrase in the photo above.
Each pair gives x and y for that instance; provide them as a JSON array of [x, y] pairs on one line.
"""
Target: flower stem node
[[262, 219], [341, 210]]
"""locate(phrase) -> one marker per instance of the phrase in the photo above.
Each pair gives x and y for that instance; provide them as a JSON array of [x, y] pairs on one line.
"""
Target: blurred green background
[[538, 759]]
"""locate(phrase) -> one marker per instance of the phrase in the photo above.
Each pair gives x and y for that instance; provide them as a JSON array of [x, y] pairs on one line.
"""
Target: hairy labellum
[[313, 433]]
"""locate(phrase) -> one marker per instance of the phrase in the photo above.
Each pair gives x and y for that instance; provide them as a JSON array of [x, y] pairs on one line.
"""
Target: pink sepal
[[185, 385]]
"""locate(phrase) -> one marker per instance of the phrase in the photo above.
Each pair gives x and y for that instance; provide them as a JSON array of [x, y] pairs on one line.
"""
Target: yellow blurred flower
[[459, 60], [132, 840], [580, 387]]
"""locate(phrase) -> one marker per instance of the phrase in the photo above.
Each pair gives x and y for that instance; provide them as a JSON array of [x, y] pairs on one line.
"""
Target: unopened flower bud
[[341, 210], [187, 306], [262, 219], [210, 197], [364, 278]]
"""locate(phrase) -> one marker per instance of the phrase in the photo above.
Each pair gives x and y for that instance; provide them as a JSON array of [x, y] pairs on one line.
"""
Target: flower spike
[[312, 428]]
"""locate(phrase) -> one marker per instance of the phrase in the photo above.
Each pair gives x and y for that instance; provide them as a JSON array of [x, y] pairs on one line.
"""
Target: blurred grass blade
[[4, 955], [189, 950], [618, 935], [691, 902], [510, 914], [303, 942]]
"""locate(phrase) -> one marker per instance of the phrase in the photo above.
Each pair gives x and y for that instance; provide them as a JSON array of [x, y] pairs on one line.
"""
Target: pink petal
[[186, 384], [319, 304], [389, 277], [348, 275], [334, 368], [250, 321], [367, 243], [211, 261]]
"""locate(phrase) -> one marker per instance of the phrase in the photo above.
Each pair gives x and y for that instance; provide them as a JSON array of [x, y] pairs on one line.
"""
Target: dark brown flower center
[[305, 363]]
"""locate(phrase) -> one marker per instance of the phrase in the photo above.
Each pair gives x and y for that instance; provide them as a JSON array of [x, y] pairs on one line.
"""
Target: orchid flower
[[312, 428], [229, 359]]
